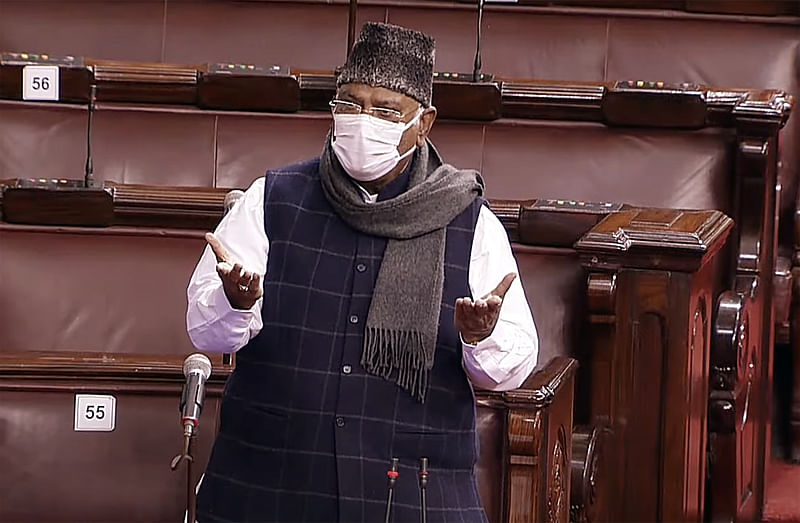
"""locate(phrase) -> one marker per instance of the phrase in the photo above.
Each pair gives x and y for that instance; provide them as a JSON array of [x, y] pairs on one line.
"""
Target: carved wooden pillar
[[537, 444], [741, 360], [651, 298], [594, 442]]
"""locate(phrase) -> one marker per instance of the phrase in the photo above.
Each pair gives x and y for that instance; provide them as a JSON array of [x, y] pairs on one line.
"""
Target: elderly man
[[366, 292]]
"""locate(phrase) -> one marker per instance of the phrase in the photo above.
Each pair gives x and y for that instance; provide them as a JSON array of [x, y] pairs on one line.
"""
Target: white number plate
[[95, 412], [40, 82]]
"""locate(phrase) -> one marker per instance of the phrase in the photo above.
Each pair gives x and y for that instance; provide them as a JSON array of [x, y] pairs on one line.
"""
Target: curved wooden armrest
[[538, 391]]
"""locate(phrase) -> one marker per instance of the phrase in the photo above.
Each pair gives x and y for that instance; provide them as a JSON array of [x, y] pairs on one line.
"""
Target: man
[[366, 291]]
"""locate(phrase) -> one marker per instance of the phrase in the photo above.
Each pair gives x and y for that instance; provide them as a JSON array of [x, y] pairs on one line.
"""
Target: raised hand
[[242, 288], [476, 320]]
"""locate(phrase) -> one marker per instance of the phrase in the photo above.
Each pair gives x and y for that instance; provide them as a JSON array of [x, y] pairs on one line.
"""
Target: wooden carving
[[650, 278], [732, 394], [535, 415], [585, 476], [736, 439], [682, 239], [602, 295], [557, 507], [551, 100], [524, 446]]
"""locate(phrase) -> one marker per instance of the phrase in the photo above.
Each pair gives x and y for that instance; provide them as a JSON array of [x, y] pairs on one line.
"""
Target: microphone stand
[[88, 173], [351, 26], [476, 71], [83, 202], [186, 455]]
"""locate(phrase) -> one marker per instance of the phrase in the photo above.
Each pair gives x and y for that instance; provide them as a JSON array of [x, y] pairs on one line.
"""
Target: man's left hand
[[476, 320]]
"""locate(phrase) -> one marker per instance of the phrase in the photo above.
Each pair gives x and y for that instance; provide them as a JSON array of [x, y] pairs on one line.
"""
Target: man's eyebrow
[[344, 95], [388, 103]]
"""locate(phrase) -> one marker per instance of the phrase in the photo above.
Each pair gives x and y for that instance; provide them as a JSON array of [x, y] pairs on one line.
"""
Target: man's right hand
[[242, 288]]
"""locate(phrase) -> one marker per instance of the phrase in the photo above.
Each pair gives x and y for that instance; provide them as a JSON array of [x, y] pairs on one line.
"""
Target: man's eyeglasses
[[382, 113]]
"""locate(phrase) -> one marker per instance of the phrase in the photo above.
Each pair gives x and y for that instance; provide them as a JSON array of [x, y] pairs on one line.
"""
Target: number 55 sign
[[40, 82], [95, 412]]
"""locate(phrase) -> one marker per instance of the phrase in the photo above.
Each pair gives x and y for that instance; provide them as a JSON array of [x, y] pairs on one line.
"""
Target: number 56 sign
[[95, 412], [40, 82]]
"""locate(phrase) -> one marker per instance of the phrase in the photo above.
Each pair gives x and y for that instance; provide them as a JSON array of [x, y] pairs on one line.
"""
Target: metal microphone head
[[197, 364], [231, 198]]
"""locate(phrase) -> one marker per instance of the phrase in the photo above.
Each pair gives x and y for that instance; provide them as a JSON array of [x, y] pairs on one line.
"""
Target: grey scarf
[[403, 319]]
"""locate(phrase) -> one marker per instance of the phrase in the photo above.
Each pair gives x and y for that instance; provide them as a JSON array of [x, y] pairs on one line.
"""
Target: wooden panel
[[148, 82], [490, 424]]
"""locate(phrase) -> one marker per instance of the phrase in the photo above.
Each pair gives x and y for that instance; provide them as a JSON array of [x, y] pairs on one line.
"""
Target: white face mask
[[367, 146]]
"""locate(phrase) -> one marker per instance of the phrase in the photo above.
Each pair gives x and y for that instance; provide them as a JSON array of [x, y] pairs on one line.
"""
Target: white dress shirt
[[500, 362]]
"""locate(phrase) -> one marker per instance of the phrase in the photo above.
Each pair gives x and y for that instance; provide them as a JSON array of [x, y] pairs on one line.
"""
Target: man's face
[[368, 97]]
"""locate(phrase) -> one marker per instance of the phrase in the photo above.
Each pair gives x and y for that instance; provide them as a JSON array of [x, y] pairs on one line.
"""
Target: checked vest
[[305, 434]]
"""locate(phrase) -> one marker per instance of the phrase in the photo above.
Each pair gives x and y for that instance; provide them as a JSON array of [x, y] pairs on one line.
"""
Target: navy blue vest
[[305, 433]]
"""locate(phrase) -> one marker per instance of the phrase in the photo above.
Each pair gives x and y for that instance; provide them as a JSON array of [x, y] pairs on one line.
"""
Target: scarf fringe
[[392, 353]]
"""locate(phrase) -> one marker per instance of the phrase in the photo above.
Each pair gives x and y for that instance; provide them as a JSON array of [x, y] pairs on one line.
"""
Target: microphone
[[197, 369], [476, 72], [88, 176], [231, 198]]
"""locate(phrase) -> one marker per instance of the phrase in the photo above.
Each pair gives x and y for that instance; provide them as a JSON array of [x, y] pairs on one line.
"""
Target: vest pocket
[[268, 410], [444, 449], [259, 425], [414, 444]]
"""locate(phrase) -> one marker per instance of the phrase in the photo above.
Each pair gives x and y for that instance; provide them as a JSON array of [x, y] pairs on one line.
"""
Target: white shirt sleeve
[[504, 360], [213, 325], [501, 362]]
